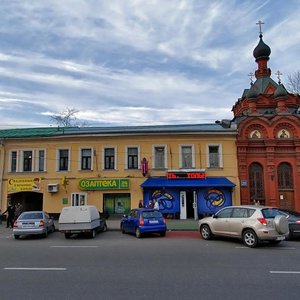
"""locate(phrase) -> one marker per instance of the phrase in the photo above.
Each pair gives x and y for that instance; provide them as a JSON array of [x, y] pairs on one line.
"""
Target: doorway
[[188, 204], [29, 200]]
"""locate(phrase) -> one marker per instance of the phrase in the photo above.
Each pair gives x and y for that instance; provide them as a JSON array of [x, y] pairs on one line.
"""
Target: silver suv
[[252, 224]]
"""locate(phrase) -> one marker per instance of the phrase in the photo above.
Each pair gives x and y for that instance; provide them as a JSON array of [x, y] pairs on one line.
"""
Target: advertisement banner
[[24, 184]]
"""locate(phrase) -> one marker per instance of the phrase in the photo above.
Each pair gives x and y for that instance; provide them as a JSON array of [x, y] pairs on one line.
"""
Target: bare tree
[[67, 118], [293, 84]]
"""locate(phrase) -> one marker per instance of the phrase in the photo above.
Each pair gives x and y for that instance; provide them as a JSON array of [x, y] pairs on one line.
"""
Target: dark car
[[294, 223], [144, 220], [33, 223]]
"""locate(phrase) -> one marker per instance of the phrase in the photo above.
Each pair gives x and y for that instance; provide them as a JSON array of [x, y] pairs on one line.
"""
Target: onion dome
[[262, 50], [280, 91]]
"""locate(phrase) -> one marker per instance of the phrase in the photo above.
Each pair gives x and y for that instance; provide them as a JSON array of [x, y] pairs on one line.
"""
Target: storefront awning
[[162, 182]]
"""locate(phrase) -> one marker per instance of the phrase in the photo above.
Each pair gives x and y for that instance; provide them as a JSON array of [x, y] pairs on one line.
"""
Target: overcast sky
[[137, 62]]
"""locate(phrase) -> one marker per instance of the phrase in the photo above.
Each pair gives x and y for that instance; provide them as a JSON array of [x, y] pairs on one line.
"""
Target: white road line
[[74, 246], [35, 269], [285, 272]]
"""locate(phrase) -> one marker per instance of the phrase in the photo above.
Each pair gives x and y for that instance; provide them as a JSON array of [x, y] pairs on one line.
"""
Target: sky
[[137, 62]]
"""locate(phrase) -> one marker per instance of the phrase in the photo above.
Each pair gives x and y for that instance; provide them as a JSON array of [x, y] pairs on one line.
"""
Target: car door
[[237, 221], [133, 216], [220, 224]]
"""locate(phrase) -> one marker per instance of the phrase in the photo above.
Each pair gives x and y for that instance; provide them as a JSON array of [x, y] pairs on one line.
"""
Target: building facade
[[190, 169], [268, 140]]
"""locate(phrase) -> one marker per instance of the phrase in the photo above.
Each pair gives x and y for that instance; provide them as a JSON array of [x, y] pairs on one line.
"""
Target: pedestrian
[[141, 204], [156, 205], [10, 215], [150, 204]]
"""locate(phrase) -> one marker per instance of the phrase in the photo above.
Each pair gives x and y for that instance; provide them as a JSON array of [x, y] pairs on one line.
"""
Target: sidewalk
[[113, 224]]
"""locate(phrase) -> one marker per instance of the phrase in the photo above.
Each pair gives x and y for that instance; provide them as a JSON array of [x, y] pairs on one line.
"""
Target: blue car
[[144, 220]]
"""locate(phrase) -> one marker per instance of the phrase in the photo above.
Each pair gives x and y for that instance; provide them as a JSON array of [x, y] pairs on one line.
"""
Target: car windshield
[[151, 214], [270, 213], [27, 216]]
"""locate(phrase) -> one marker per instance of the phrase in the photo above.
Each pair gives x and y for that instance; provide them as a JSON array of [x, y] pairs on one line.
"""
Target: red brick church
[[268, 140]]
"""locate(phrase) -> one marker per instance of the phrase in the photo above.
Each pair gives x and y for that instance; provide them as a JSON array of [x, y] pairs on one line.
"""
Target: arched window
[[285, 176], [256, 183]]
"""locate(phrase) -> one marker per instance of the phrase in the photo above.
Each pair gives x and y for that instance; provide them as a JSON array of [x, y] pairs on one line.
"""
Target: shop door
[[182, 205]]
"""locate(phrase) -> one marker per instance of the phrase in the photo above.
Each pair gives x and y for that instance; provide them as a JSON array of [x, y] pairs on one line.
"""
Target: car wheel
[[93, 233], [163, 233], [67, 235], [104, 228], [281, 224], [250, 238], [17, 236], [138, 233], [206, 232]]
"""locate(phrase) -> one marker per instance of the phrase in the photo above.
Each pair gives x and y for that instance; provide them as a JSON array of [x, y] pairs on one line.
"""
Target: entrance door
[[195, 205], [182, 205]]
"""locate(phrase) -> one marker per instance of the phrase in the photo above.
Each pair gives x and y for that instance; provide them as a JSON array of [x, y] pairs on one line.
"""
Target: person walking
[[156, 205], [10, 215]]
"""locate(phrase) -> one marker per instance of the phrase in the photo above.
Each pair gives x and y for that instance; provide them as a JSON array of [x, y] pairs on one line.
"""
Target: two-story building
[[190, 169]]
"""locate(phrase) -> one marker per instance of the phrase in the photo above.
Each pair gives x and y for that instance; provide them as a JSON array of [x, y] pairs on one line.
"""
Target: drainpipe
[[1, 170]]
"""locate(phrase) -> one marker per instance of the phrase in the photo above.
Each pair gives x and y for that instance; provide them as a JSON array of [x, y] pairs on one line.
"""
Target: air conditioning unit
[[52, 188]]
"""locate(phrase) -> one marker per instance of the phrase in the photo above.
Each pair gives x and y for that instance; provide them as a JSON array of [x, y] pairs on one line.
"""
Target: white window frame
[[17, 160], [165, 158], [76, 199], [181, 153], [80, 158], [115, 158], [220, 155], [37, 160], [58, 159], [139, 157]]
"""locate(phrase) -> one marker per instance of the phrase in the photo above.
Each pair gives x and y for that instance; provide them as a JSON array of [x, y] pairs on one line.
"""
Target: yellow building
[[190, 169]]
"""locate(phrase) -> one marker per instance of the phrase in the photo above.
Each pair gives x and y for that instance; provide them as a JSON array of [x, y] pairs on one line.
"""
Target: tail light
[[42, 223], [262, 221], [298, 221], [142, 222], [15, 224]]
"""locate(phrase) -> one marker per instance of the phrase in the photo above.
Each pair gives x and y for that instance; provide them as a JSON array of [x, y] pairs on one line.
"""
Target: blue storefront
[[188, 197]]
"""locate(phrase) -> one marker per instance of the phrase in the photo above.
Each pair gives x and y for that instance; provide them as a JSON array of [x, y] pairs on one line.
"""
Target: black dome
[[261, 50]]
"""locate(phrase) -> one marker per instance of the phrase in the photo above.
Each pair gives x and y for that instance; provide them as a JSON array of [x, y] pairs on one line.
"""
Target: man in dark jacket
[[10, 215]]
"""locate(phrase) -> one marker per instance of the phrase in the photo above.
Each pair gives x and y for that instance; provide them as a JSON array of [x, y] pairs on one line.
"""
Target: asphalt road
[[117, 266]]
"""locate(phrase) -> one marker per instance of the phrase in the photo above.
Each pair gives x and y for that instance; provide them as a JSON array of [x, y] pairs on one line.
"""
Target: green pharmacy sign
[[103, 184]]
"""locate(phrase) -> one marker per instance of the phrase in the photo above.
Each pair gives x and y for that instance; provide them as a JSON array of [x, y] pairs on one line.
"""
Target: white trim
[[180, 155], [103, 158], [126, 156], [80, 158], [165, 154], [220, 155]]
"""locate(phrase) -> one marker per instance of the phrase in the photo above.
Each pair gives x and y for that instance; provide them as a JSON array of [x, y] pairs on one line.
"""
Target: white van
[[81, 219]]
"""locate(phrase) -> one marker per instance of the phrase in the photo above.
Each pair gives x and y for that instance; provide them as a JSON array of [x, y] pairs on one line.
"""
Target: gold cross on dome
[[251, 75]]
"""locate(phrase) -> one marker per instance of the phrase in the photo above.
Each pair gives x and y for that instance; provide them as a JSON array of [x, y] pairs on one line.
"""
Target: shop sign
[[103, 184], [188, 174], [23, 184]]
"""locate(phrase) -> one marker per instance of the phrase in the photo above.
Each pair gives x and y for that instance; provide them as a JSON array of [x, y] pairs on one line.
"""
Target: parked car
[[83, 219], [252, 224], [294, 223], [143, 220], [33, 223]]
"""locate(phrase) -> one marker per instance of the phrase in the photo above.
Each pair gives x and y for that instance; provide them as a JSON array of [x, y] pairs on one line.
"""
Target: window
[[13, 161], [63, 160], [79, 199], [256, 183], [27, 161], [132, 158], [159, 157], [109, 158], [239, 213], [285, 176], [224, 213], [41, 160], [86, 159], [186, 157], [214, 156]]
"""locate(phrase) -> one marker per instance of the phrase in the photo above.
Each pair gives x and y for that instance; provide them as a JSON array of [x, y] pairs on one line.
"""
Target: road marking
[[36, 269], [74, 246], [285, 272]]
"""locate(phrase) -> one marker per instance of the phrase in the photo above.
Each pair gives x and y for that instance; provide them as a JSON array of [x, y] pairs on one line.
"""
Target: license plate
[[153, 222]]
